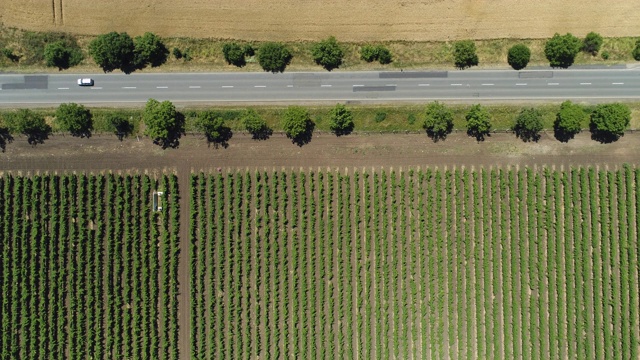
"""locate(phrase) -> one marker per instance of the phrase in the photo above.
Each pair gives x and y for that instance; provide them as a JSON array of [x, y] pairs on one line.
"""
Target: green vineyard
[[416, 264], [430, 264], [88, 269]]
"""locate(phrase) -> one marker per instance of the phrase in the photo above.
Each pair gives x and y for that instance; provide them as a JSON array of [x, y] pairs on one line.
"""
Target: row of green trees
[[114, 50], [607, 122], [165, 125]]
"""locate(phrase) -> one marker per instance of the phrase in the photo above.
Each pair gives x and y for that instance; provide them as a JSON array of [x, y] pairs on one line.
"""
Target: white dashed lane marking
[[617, 83], [553, 84], [194, 87], [289, 85], [260, 86], [456, 84], [162, 87], [488, 84], [128, 87], [521, 84], [63, 88], [585, 83], [325, 85], [358, 85], [227, 86], [423, 84]]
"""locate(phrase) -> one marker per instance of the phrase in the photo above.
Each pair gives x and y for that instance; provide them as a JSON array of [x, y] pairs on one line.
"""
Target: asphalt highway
[[313, 87]]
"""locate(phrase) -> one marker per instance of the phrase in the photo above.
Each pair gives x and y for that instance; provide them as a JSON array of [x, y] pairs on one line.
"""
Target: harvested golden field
[[349, 20]]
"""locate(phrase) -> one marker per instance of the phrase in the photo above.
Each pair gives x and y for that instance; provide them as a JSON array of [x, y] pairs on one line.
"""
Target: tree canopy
[[119, 124], [113, 51], [341, 120], [328, 53], [256, 125], [636, 51], [592, 43], [380, 53], [149, 50], [75, 119], [213, 128], [438, 121], [478, 122], [163, 123], [569, 121], [29, 123], [528, 124], [609, 121], [234, 54], [274, 57], [464, 54], [519, 56], [297, 124], [59, 54], [561, 50]]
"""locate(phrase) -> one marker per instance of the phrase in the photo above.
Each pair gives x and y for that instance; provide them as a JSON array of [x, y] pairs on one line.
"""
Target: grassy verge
[[206, 54], [372, 118]]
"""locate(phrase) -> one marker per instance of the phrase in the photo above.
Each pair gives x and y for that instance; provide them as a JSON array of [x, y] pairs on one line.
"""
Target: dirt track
[[349, 20], [325, 150]]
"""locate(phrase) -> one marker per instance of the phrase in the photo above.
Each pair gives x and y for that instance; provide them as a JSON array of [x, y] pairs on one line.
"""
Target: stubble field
[[352, 20]]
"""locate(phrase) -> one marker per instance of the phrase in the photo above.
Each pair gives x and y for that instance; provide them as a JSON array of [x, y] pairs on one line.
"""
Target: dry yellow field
[[349, 20]]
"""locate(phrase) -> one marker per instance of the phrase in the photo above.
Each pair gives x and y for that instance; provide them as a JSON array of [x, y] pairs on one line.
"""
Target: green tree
[[561, 50], [636, 51], [528, 124], [519, 56], [274, 57], [438, 121], [378, 53], [341, 120], [569, 120], [592, 43], [113, 51], [234, 54], [62, 56], [29, 123], [149, 50], [256, 125], [163, 123], [478, 122], [297, 124], [119, 124], [75, 119], [327, 53], [464, 54], [213, 128], [609, 121]]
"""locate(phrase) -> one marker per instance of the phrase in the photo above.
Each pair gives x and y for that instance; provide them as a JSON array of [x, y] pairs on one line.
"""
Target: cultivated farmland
[[89, 271], [348, 20], [492, 264]]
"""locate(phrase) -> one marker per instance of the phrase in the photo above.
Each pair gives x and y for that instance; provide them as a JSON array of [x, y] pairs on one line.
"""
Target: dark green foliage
[[478, 122], [29, 123], [380, 116], [113, 51], [256, 125], [438, 121], [519, 56], [569, 121], [528, 125], [60, 55], [609, 121], [248, 50], [297, 124], [119, 124], [561, 50], [380, 53], [605, 55], [5, 137], [341, 120], [464, 54], [592, 43], [234, 54], [636, 51], [327, 53], [213, 128], [163, 123], [149, 50], [33, 44], [411, 119], [8, 53], [75, 119], [177, 53], [274, 57]]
